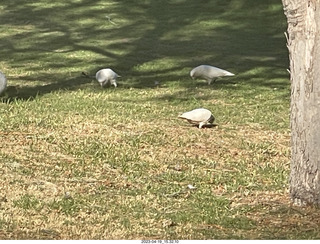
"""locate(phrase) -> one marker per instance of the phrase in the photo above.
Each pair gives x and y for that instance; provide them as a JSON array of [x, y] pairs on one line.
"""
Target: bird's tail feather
[[87, 75], [227, 73]]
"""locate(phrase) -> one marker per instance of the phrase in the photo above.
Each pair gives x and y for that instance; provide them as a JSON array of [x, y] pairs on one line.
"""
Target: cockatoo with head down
[[105, 76], [209, 73], [3, 82], [199, 116]]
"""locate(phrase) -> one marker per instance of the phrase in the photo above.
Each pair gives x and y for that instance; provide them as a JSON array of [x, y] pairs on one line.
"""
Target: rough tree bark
[[303, 42]]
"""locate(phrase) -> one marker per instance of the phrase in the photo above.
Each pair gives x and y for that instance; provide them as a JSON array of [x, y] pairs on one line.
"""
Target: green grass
[[81, 162]]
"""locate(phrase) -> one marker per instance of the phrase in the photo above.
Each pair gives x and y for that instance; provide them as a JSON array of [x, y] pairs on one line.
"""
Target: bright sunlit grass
[[81, 162]]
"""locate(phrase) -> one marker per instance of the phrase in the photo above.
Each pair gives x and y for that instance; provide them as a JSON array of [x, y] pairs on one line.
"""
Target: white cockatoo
[[105, 76], [3, 83], [199, 116], [209, 73]]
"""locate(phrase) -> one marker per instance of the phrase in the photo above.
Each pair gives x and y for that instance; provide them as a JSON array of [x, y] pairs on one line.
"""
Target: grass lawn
[[81, 162]]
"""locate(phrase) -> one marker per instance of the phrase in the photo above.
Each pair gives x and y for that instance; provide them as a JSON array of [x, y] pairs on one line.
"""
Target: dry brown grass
[[38, 165], [79, 162]]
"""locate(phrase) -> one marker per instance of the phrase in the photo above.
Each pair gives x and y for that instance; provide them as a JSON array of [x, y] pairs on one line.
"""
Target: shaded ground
[[79, 162]]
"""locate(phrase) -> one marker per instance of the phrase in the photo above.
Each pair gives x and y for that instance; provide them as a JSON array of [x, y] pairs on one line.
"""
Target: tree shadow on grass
[[148, 41]]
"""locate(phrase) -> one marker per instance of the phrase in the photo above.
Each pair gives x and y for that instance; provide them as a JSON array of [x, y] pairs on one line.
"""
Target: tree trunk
[[304, 53]]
